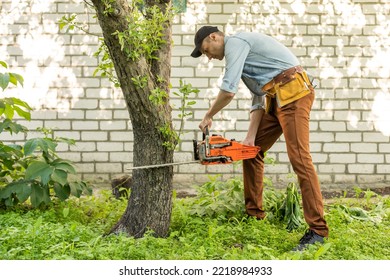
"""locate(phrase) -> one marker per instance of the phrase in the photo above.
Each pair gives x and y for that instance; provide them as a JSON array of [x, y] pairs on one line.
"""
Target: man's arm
[[219, 103], [254, 121]]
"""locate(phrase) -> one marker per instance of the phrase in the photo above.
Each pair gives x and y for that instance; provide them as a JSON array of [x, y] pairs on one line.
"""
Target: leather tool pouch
[[292, 88]]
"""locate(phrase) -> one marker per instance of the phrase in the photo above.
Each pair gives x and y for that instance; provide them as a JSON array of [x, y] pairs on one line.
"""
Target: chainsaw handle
[[206, 139], [206, 133]]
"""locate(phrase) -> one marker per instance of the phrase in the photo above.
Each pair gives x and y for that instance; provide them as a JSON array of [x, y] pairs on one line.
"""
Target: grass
[[202, 228]]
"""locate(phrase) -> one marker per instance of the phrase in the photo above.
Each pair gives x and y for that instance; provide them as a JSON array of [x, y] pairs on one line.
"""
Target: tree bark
[[150, 202]]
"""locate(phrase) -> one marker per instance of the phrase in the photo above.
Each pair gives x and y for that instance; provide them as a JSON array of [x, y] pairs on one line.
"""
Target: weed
[[74, 229]]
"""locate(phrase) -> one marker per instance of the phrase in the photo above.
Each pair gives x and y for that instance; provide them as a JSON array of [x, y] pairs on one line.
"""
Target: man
[[282, 99]]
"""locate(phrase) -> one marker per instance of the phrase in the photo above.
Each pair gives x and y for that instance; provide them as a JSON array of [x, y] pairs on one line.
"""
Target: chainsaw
[[214, 149]]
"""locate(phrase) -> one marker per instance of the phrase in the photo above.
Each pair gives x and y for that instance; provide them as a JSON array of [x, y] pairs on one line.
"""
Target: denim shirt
[[255, 58]]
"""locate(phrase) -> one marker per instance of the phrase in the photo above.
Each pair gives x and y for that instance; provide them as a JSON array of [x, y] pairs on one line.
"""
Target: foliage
[[9, 77], [184, 93], [290, 210], [143, 38], [74, 229], [217, 197], [32, 170], [144, 35], [105, 67]]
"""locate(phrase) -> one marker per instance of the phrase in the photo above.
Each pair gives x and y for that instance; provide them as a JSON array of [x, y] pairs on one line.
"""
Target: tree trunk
[[150, 202]]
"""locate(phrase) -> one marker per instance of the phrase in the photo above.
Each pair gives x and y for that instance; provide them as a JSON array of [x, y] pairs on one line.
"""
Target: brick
[[336, 147], [319, 158], [119, 156], [61, 125], [384, 148], [349, 93], [99, 114], [348, 137], [383, 168], [75, 135], [375, 137], [110, 125], [110, 104], [86, 167], [334, 41], [182, 72], [361, 168], [84, 147], [85, 125], [332, 126], [94, 136], [370, 158], [321, 137], [331, 168], [109, 146], [360, 126], [322, 29], [342, 158], [368, 178], [85, 104], [72, 156], [94, 157], [364, 147], [220, 19], [71, 115], [345, 178]]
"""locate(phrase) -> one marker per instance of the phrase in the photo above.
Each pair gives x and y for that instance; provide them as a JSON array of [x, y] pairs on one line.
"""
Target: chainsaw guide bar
[[212, 150]]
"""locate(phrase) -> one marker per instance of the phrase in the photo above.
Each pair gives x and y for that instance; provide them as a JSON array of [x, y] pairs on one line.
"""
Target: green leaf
[[62, 192], [12, 79], [4, 80], [39, 169], [21, 103], [322, 250], [30, 146], [11, 126], [19, 78], [60, 177], [21, 189], [9, 111], [24, 114], [2, 63], [45, 144], [65, 212], [39, 195], [64, 166], [76, 189], [15, 78]]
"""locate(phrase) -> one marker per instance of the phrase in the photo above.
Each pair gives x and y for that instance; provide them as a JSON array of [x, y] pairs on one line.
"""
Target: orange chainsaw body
[[216, 149]]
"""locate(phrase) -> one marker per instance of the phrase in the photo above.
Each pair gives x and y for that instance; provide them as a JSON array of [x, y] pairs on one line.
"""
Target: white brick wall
[[343, 42]]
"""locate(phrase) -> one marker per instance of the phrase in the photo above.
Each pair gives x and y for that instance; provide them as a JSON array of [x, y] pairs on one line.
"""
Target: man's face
[[213, 47]]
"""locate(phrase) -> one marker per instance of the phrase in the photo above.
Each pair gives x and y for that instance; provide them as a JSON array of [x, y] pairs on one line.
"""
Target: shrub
[[33, 170]]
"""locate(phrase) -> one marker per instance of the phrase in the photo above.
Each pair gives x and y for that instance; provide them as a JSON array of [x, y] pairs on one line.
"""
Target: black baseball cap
[[202, 33]]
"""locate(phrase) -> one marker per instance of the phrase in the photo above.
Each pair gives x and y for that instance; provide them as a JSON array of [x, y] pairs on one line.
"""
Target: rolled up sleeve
[[236, 52], [258, 102]]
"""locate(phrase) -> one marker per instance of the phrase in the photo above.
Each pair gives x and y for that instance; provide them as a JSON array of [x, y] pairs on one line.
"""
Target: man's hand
[[220, 102], [250, 141], [206, 122], [255, 119]]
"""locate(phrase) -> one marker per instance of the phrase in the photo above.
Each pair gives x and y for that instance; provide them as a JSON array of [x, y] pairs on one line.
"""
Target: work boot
[[310, 237]]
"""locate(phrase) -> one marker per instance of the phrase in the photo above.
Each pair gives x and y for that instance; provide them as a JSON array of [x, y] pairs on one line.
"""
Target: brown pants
[[293, 121]]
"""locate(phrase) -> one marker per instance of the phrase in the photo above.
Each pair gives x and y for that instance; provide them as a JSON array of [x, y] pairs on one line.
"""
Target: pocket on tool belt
[[294, 89]]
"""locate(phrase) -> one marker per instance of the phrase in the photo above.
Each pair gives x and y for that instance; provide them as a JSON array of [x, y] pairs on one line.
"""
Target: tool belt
[[288, 86]]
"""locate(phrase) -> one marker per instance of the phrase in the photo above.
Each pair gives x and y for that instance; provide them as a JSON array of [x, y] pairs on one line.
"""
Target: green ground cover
[[210, 226]]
